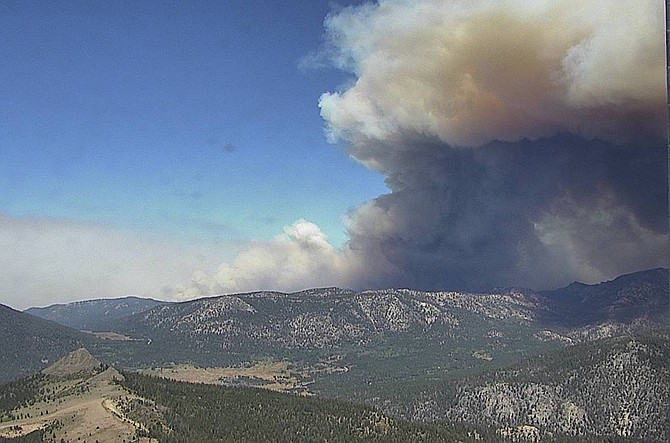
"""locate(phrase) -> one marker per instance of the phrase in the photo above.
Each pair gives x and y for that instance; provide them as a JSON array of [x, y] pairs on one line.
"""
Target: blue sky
[[190, 119]]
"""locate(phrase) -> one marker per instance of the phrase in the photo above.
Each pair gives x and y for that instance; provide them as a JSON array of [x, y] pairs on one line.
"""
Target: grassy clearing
[[274, 375]]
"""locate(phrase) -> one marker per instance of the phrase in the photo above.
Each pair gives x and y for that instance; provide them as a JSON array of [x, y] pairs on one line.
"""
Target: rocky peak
[[76, 362]]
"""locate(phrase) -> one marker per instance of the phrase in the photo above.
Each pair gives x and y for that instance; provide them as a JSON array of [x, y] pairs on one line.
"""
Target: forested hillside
[[185, 412], [614, 387]]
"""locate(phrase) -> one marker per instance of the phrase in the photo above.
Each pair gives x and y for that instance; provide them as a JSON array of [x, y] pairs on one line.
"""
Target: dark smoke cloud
[[528, 213]]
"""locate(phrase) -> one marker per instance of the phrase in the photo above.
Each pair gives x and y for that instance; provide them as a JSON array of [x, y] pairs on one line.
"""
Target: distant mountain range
[[94, 315], [630, 297], [420, 355]]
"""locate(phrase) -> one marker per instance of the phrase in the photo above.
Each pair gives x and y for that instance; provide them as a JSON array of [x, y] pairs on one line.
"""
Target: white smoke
[[48, 260], [471, 72], [300, 257]]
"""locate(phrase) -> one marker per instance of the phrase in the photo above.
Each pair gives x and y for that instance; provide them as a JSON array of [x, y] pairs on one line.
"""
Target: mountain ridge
[[658, 275], [622, 299], [221, 329], [95, 314]]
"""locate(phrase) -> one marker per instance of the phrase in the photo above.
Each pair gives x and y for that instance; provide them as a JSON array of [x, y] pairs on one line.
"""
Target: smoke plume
[[523, 143]]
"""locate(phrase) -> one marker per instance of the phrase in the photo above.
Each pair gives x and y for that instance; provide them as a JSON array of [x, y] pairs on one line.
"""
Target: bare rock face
[[75, 363]]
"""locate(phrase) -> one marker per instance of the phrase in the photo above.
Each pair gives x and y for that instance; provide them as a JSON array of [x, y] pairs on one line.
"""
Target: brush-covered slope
[[74, 400]]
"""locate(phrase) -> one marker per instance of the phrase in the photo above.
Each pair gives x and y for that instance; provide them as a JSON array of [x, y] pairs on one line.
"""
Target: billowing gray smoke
[[523, 142], [534, 213]]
